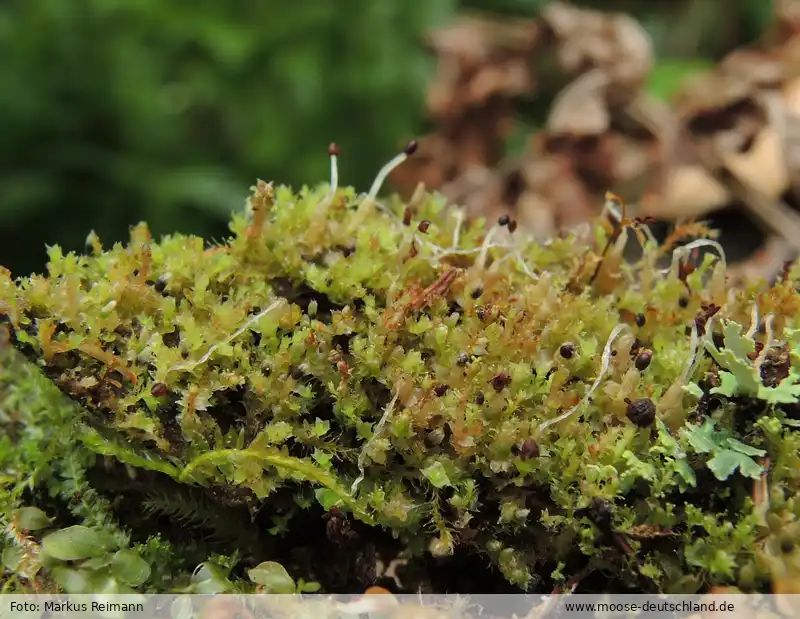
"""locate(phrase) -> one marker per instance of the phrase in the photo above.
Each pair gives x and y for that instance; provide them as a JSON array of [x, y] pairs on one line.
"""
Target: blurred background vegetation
[[116, 111]]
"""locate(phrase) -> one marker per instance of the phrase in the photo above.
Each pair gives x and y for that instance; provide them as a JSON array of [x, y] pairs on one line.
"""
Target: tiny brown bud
[[479, 398], [529, 449], [567, 350], [424, 225], [642, 360], [500, 381], [477, 293], [512, 225], [640, 320], [759, 346], [434, 438], [503, 220], [440, 390], [411, 148], [462, 359], [683, 302], [159, 390], [333, 149], [641, 412]]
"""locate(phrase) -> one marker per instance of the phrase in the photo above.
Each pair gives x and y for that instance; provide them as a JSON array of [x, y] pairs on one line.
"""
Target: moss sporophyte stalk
[[553, 409]]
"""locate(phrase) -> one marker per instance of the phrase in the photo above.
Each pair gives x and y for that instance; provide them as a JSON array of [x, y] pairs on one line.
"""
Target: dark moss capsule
[[424, 225], [641, 412], [435, 437], [477, 293], [683, 302], [172, 339], [440, 390], [407, 216], [642, 360], [640, 320], [479, 398], [503, 220], [787, 545], [297, 373], [160, 285], [411, 148], [159, 390], [462, 359], [567, 350], [500, 381], [529, 449], [512, 225], [759, 346], [602, 513]]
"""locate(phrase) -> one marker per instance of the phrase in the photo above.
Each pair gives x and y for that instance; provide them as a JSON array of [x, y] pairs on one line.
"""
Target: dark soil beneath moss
[[343, 555]]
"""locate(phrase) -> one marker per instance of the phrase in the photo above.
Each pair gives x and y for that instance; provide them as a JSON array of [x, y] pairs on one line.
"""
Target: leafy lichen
[[468, 392]]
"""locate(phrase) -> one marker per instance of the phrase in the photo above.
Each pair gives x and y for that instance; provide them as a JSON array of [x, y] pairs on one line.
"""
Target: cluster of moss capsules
[[551, 407]]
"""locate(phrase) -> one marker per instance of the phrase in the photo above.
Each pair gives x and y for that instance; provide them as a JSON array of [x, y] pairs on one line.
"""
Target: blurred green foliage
[[669, 74], [114, 111]]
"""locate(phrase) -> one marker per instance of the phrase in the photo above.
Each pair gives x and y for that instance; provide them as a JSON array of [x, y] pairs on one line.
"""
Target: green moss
[[423, 389]]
